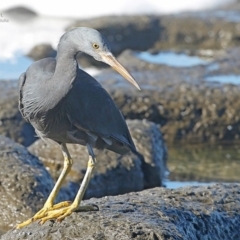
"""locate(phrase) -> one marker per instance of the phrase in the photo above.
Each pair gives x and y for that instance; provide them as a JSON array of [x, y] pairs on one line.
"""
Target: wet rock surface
[[210, 212], [12, 124], [24, 184], [114, 174]]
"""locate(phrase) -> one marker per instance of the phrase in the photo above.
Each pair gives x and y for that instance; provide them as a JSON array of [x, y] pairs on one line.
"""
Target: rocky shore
[[211, 212], [176, 104]]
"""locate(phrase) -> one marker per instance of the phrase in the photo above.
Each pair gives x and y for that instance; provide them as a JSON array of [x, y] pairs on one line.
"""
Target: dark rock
[[114, 174], [42, 51], [233, 6], [150, 144], [20, 13], [209, 212], [198, 30], [12, 124], [125, 32], [24, 184]]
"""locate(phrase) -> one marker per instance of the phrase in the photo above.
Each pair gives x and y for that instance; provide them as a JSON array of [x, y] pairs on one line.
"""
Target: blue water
[[232, 79], [172, 59], [178, 184], [13, 68]]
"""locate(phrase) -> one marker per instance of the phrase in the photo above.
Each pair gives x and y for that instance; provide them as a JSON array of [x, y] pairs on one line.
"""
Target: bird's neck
[[64, 75], [66, 64]]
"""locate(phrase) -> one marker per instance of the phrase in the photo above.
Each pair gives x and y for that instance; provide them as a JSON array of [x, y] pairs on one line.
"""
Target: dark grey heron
[[67, 105]]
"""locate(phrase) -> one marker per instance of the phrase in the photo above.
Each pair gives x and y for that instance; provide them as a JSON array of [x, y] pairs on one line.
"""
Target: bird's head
[[91, 42]]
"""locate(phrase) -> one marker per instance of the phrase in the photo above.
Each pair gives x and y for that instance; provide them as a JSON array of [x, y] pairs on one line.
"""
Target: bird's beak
[[113, 62]]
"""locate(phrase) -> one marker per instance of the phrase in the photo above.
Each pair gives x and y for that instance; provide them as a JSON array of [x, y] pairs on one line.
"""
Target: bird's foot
[[60, 214], [44, 212], [57, 212]]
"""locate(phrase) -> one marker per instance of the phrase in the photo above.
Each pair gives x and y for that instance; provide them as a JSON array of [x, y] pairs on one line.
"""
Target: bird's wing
[[90, 108], [30, 84]]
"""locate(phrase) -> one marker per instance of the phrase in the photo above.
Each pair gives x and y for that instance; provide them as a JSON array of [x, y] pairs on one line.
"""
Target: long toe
[[44, 212], [58, 214], [23, 224]]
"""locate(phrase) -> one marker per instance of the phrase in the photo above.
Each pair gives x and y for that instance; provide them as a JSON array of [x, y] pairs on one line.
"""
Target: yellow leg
[[60, 214], [49, 204]]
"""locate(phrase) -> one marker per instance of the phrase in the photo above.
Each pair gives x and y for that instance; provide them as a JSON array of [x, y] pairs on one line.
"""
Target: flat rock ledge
[[206, 212]]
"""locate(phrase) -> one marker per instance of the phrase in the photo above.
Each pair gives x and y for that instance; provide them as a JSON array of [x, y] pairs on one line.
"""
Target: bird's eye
[[95, 45]]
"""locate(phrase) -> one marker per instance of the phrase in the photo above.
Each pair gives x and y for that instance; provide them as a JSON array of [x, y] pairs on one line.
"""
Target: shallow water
[[231, 79], [14, 67], [178, 184], [172, 59], [204, 163]]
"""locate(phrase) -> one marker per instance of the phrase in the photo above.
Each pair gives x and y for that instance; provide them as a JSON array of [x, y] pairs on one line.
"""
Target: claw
[[87, 208]]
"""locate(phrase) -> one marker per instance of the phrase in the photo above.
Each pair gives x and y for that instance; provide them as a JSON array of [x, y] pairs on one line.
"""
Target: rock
[[232, 6], [150, 144], [114, 174], [24, 184], [207, 212], [42, 51], [197, 30], [12, 124], [20, 13], [125, 32]]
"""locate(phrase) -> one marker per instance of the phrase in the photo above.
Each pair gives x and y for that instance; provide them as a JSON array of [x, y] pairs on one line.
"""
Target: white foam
[[18, 37]]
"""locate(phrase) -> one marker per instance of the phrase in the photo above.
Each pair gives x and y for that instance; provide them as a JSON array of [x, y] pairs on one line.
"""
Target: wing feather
[[91, 108]]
